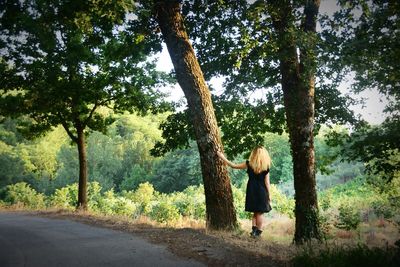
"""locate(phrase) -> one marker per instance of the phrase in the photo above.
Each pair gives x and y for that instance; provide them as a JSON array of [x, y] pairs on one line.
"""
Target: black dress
[[257, 195]]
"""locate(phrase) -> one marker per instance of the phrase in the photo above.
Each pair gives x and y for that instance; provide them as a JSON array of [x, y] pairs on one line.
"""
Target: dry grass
[[344, 234]]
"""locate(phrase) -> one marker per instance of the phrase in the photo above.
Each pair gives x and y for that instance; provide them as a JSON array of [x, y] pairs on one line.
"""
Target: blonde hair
[[259, 159]]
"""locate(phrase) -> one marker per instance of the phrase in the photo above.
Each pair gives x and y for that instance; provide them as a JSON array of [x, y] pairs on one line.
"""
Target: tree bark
[[219, 200], [298, 83], [82, 190]]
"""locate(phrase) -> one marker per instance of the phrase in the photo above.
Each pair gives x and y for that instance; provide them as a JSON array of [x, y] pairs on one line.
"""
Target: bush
[[66, 197], [325, 200], [192, 203], [382, 208], [239, 200], [165, 212], [22, 193], [359, 256], [349, 218], [123, 206], [281, 203], [94, 196], [143, 196], [105, 204]]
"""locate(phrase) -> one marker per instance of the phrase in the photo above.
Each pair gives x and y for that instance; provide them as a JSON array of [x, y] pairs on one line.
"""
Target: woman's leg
[[254, 219], [259, 220]]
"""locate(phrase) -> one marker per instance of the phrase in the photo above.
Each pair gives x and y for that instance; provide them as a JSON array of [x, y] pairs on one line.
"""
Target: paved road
[[34, 241]]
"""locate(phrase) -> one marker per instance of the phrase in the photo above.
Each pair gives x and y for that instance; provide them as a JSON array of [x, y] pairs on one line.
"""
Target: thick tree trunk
[[219, 200], [298, 82], [82, 190], [299, 106]]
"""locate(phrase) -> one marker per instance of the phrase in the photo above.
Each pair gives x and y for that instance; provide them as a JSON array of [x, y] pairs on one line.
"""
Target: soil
[[214, 248]]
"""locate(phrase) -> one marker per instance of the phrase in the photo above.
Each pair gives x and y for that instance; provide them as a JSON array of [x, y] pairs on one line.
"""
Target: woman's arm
[[268, 185], [231, 164]]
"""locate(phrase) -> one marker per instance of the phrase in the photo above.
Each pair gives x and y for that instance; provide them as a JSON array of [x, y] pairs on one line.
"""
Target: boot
[[258, 233], [253, 231]]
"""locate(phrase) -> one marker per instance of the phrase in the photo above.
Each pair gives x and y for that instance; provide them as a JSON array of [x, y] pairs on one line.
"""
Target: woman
[[258, 197]]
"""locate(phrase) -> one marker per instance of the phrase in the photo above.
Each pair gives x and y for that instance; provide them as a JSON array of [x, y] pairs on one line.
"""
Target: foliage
[[387, 202], [65, 197], [110, 204], [325, 200], [177, 170], [246, 54], [239, 200], [164, 212], [373, 64], [143, 196], [190, 202], [349, 217], [376, 146], [137, 176], [358, 256], [22, 193], [281, 203], [357, 193], [129, 140], [279, 150], [73, 70], [63, 62]]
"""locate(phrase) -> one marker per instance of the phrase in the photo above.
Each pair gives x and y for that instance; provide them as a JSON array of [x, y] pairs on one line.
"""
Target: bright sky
[[372, 110]]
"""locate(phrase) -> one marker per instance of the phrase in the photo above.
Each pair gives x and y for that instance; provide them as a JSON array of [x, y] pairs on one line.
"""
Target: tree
[[219, 200], [368, 33], [61, 61], [177, 170], [297, 71]]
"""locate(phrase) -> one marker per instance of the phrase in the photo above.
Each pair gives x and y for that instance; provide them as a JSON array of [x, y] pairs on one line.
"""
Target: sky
[[371, 111]]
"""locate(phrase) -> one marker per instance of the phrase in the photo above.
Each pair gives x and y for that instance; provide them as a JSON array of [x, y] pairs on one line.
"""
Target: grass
[[347, 256]]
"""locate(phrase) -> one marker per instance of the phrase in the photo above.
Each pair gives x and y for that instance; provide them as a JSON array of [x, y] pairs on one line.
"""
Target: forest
[[86, 123]]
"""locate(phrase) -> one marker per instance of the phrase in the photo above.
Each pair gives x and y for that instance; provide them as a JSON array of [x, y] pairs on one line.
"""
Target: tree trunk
[[219, 200], [298, 82], [82, 190]]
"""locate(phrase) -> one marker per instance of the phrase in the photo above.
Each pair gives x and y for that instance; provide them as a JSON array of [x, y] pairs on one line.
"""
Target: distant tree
[[177, 170], [136, 176], [61, 61]]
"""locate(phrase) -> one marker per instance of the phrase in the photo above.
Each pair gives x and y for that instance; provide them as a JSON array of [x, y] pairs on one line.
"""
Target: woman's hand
[[220, 154]]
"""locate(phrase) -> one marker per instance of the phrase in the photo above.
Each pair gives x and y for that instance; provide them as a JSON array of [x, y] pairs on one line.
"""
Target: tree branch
[[66, 128], [90, 114]]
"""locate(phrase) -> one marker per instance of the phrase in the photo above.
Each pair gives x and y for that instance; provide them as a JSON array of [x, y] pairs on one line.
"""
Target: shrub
[[359, 256], [239, 200], [325, 200], [194, 202], [165, 212], [382, 208], [94, 196], [123, 206], [66, 197], [22, 193], [143, 196], [281, 203], [349, 217]]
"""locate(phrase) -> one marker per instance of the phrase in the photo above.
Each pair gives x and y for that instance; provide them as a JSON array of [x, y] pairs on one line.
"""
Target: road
[[34, 241]]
